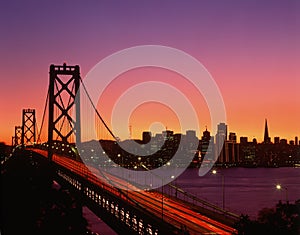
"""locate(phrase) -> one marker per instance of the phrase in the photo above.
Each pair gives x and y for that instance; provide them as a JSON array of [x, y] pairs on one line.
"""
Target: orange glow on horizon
[[127, 80], [151, 113]]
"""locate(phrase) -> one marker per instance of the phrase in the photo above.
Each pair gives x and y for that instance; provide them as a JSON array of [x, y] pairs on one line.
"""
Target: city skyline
[[250, 49], [273, 139], [150, 117]]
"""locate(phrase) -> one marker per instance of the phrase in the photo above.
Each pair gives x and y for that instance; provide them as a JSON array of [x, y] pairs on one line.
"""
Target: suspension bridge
[[126, 206]]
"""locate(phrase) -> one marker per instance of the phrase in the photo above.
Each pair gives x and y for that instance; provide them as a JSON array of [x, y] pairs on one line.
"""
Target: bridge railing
[[178, 193], [196, 201], [136, 219], [199, 204]]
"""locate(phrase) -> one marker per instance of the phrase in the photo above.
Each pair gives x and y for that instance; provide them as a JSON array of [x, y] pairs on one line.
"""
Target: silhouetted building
[[248, 153], [283, 141], [243, 140], [292, 142], [190, 134], [296, 140], [231, 151], [167, 134], [159, 137], [276, 140], [206, 136], [177, 137], [192, 140], [267, 139], [222, 129], [146, 137], [221, 137], [207, 146], [232, 136]]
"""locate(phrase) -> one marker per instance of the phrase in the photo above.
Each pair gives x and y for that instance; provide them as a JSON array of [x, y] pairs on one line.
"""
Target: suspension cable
[[98, 114], [43, 119]]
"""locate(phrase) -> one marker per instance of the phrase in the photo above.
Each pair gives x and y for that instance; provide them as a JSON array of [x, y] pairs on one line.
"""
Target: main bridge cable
[[106, 177], [43, 119], [98, 114]]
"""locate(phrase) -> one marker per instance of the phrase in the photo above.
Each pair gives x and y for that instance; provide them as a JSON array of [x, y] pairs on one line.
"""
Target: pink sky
[[251, 50]]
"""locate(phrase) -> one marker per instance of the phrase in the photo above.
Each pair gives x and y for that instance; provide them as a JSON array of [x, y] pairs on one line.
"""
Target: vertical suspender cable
[[43, 118], [98, 114]]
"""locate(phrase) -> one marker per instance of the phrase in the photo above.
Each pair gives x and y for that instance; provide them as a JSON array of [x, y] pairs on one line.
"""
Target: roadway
[[169, 210]]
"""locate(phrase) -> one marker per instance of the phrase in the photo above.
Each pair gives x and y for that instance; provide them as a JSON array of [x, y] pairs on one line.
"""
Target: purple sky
[[250, 47]]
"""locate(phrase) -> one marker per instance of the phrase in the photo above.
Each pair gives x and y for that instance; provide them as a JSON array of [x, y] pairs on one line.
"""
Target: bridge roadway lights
[[125, 212], [110, 205]]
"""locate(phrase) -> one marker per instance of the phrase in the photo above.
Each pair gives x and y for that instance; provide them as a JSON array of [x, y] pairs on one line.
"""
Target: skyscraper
[[232, 136], [221, 137], [207, 146], [191, 134], [243, 140], [146, 137], [267, 139], [222, 130]]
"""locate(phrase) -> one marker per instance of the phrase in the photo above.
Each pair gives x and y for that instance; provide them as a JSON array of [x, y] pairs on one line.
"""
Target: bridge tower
[[63, 87], [28, 127], [16, 140]]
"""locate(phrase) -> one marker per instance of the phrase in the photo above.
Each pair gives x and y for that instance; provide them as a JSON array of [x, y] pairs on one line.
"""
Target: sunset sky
[[251, 49]]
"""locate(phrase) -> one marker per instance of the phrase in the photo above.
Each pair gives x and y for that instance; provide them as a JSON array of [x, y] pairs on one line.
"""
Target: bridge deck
[[174, 212]]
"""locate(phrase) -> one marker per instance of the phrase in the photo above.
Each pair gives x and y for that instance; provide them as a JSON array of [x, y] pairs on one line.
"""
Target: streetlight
[[223, 187], [279, 187], [121, 165]]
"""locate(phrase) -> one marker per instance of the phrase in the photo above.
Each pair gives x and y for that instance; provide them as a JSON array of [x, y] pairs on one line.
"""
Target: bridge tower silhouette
[[16, 139], [28, 127], [126, 210], [13, 141], [64, 83]]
